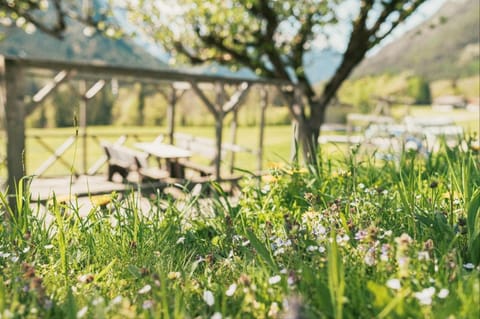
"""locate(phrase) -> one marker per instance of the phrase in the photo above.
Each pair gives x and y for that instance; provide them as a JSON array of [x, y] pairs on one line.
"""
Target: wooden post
[[264, 103], [220, 115], [15, 124], [233, 138], [83, 123], [171, 114]]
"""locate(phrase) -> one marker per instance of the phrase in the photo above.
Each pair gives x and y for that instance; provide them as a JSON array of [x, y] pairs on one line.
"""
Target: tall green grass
[[355, 237]]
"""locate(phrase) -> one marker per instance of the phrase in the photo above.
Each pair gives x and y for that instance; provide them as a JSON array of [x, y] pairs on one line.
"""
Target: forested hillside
[[445, 46]]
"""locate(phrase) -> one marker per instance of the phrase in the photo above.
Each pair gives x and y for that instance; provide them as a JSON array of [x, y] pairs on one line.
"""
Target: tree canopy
[[272, 37]]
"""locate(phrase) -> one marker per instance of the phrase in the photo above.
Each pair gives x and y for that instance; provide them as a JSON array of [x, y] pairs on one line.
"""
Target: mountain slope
[[445, 46]]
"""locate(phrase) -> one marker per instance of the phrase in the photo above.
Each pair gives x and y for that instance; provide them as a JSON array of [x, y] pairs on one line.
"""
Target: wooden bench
[[123, 160]]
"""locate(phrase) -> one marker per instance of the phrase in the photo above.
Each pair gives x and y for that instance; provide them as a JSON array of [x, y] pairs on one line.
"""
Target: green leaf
[[262, 250]]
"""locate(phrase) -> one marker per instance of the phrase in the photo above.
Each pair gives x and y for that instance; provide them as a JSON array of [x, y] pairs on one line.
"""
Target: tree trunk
[[308, 130]]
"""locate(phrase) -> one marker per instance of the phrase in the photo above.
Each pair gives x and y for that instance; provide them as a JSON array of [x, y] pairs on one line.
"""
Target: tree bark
[[308, 127]]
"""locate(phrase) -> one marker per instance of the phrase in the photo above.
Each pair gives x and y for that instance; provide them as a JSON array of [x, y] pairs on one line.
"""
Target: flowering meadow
[[355, 237]]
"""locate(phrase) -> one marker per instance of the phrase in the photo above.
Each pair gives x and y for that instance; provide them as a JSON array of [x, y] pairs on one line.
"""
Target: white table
[[168, 152]]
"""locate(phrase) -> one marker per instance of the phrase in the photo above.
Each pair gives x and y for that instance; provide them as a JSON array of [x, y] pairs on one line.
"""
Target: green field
[[277, 140]]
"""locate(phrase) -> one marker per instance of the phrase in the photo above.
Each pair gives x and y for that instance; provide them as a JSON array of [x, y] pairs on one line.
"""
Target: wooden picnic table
[[170, 153]]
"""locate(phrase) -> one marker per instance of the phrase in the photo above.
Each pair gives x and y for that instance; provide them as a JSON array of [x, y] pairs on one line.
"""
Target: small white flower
[[145, 289], [147, 304], [117, 300], [423, 255], [425, 296], [274, 280], [284, 271], [50, 246], [231, 290], [322, 249], [361, 186], [312, 248], [217, 315], [181, 240], [14, 259], [279, 251], [4, 255], [208, 297], [394, 283], [82, 312], [443, 293], [26, 250]]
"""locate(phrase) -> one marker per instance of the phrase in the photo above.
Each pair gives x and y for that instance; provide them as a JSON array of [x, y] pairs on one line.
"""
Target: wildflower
[[82, 312], [403, 240], [117, 300], [443, 293], [394, 284], [208, 298], [423, 255], [50, 246], [279, 251], [274, 280], [342, 239], [274, 310], [370, 257], [181, 240], [360, 235], [322, 249], [387, 233], [145, 289], [217, 315], [384, 252], [424, 297], [147, 304], [173, 275], [312, 248], [231, 290]]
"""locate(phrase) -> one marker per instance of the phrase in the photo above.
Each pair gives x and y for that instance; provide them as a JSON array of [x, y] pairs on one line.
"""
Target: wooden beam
[[233, 138], [94, 89], [236, 98], [214, 109], [15, 123], [101, 70]]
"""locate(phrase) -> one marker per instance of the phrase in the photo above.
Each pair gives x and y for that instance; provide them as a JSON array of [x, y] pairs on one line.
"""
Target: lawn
[[351, 238]]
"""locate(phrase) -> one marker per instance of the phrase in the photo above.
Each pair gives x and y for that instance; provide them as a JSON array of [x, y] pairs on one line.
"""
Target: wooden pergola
[[13, 73]]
